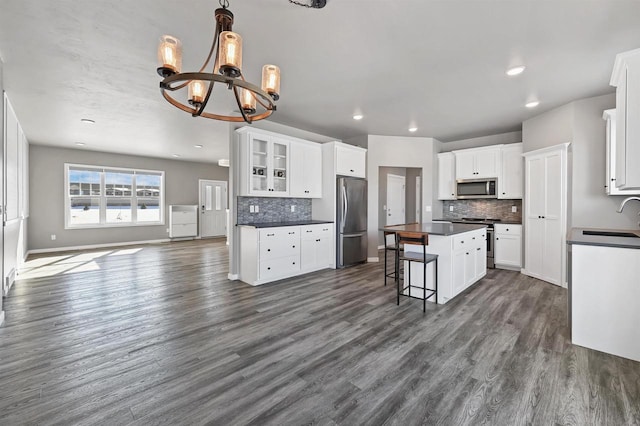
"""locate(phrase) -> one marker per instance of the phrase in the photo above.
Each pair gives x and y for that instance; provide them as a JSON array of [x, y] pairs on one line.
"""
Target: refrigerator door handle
[[345, 207]]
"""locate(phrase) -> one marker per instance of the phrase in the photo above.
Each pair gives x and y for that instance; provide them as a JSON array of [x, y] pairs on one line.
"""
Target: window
[[109, 196]]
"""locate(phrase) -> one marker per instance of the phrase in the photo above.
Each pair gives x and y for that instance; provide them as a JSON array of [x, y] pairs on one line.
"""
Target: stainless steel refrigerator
[[351, 221]]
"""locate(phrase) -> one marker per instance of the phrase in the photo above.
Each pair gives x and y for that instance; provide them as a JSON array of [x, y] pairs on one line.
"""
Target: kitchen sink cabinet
[[626, 79], [508, 246], [478, 163], [511, 179], [446, 176]]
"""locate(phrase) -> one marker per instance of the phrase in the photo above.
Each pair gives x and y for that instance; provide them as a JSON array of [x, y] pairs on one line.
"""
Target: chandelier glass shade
[[225, 62]]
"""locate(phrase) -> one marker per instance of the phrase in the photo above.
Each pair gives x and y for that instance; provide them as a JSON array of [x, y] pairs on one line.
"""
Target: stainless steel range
[[490, 242]]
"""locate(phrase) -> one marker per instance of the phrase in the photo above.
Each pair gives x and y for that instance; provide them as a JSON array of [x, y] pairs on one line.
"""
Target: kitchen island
[[462, 256], [604, 290]]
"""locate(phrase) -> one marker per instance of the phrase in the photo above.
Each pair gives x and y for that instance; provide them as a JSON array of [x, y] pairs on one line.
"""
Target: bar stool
[[416, 238], [391, 245]]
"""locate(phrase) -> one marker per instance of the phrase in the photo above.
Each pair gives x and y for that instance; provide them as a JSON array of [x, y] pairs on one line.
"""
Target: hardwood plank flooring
[[156, 334]]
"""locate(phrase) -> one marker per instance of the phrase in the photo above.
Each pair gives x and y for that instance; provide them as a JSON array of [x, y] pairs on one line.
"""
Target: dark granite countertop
[[502, 222], [577, 237], [279, 224], [435, 228]]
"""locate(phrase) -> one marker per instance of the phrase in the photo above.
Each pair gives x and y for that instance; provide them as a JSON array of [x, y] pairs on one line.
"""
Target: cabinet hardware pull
[[467, 254], [294, 263], [507, 229], [503, 193], [268, 249], [351, 170], [269, 268], [473, 238], [478, 249], [270, 235], [462, 242], [291, 233], [294, 246], [497, 238]]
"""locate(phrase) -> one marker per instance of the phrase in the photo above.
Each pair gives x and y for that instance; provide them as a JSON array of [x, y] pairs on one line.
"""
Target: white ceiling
[[437, 64]]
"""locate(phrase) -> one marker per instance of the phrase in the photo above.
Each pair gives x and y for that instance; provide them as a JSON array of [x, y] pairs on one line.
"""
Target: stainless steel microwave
[[477, 188]]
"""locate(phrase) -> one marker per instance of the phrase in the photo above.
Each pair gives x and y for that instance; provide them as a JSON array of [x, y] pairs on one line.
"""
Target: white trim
[[1, 317], [548, 149], [373, 259], [92, 246], [618, 66], [233, 277]]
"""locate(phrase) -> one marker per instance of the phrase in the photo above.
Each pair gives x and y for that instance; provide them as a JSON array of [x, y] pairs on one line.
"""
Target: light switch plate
[[257, 208], [514, 209], [427, 208], [450, 208], [252, 209], [293, 209]]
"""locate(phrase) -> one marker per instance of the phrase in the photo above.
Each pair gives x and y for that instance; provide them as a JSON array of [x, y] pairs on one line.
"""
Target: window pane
[[118, 184], [148, 210], [118, 210], [84, 182], [84, 211], [148, 185]]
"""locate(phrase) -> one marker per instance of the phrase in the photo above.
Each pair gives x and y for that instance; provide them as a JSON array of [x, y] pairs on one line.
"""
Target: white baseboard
[[373, 259], [1, 317], [233, 277], [94, 246]]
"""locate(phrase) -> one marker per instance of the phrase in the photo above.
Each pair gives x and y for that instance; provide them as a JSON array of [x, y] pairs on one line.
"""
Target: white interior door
[[395, 199], [213, 208]]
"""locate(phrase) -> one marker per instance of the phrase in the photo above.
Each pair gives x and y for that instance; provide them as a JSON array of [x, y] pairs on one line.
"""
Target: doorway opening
[[399, 196]]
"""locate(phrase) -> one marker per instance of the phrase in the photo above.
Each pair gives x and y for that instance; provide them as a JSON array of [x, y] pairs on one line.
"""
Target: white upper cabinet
[[610, 157], [446, 176], [626, 79], [273, 165], [306, 170], [351, 160], [511, 181], [478, 163]]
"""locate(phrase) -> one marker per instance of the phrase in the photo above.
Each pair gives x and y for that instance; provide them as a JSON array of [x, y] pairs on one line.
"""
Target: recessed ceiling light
[[197, 146], [358, 117], [80, 143], [413, 129], [87, 121], [532, 104], [175, 155], [515, 70]]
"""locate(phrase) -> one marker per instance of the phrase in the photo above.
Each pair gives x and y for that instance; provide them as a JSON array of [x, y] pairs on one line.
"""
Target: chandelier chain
[[297, 3], [224, 3]]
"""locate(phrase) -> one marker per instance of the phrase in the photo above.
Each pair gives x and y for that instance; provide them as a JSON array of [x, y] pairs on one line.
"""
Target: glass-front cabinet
[[267, 159]]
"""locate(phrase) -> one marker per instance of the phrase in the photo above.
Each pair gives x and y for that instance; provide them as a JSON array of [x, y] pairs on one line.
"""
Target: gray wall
[[581, 123], [412, 174], [47, 195], [502, 138]]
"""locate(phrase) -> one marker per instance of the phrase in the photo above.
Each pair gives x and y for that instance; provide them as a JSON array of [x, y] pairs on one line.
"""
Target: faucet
[[625, 202]]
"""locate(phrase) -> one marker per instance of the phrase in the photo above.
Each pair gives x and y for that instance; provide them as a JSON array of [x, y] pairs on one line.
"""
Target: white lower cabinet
[[270, 254], [508, 246]]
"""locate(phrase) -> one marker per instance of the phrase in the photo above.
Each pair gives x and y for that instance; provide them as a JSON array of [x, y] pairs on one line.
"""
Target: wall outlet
[[257, 209], [427, 208], [450, 208], [252, 209], [514, 209], [167, 230], [53, 237], [293, 209]]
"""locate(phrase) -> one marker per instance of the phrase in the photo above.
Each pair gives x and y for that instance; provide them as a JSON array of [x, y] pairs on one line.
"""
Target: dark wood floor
[[157, 335]]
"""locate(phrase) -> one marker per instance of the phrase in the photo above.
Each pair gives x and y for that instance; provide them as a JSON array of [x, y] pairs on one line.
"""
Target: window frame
[[103, 197]]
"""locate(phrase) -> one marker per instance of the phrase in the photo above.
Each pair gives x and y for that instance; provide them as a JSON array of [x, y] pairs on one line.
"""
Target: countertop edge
[[283, 224], [576, 237]]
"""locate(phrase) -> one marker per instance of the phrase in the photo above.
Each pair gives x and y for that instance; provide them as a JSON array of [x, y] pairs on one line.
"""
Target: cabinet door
[[465, 165], [487, 163], [507, 250], [350, 161], [279, 174], [470, 266], [258, 164], [306, 170], [324, 252], [446, 176], [480, 261], [511, 180], [458, 264], [308, 254]]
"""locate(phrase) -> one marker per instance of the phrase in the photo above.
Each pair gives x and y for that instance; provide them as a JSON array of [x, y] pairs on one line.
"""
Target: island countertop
[[577, 237], [280, 224], [435, 228]]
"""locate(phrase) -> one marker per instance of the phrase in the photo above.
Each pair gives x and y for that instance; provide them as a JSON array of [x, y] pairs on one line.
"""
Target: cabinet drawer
[[184, 230], [272, 249], [508, 229], [280, 267], [285, 233], [308, 232], [183, 217], [468, 240]]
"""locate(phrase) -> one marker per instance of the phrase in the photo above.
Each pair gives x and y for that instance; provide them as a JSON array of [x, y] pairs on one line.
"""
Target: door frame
[[200, 203]]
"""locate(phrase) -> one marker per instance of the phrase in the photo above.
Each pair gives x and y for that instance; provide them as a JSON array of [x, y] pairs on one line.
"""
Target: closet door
[[535, 226]]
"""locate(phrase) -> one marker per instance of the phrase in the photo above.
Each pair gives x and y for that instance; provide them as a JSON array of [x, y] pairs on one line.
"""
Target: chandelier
[[254, 103]]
